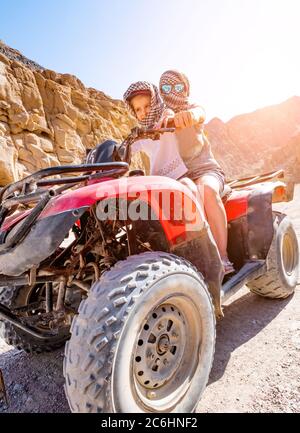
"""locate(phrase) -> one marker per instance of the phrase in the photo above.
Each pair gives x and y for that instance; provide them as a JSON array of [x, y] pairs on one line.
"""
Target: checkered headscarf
[[176, 101], [157, 104]]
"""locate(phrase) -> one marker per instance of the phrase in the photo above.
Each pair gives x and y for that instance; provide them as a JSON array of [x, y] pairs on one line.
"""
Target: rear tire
[[283, 262], [143, 340]]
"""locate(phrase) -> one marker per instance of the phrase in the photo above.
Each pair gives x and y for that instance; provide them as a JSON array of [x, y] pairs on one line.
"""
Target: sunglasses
[[167, 88]]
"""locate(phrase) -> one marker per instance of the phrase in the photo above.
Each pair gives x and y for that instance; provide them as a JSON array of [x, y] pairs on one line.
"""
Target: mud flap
[[42, 240], [202, 252]]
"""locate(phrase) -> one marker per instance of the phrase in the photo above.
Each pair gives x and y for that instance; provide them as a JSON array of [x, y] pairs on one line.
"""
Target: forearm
[[194, 115], [198, 114]]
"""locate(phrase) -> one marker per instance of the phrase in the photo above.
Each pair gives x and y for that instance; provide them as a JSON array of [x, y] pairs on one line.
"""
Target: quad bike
[[136, 298]]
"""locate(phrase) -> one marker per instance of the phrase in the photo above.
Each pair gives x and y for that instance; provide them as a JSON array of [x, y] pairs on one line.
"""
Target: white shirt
[[163, 154]]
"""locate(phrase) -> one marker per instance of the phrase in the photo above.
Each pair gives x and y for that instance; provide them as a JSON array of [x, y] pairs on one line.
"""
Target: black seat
[[107, 151]]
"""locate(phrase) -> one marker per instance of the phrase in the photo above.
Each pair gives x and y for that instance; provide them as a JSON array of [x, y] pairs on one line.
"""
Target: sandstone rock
[[8, 159], [25, 155], [67, 157], [4, 129], [140, 160], [46, 145], [47, 118]]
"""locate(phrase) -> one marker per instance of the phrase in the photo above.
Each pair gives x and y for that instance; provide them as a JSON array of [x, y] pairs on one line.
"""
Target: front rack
[[29, 183], [35, 189]]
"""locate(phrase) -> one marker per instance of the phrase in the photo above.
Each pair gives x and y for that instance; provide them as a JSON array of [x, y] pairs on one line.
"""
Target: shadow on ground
[[243, 320]]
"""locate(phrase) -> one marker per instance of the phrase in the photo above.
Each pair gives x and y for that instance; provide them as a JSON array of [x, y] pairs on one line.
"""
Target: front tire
[[143, 340]]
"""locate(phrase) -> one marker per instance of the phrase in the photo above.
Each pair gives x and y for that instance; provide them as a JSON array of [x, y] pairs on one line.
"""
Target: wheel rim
[[288, 254], [166, 353], [160, 347]]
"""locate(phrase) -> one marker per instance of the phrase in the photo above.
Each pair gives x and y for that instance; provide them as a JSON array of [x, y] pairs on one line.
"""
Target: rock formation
[[48, 119], [262, 141]]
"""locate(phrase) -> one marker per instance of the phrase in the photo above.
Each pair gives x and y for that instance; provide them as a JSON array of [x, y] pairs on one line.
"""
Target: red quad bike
[[136, 298]]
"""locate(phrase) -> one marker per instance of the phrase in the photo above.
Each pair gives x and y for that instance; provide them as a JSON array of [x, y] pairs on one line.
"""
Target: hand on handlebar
[[185, 119]]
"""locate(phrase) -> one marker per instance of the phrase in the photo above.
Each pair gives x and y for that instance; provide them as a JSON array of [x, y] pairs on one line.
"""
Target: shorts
[[197, 169], [218, 175]]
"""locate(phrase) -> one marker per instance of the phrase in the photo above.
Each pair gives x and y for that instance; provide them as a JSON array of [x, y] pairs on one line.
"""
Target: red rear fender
[[237, 204]]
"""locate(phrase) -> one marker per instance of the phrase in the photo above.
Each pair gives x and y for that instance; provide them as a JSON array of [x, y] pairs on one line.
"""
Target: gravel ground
[[256, 366]]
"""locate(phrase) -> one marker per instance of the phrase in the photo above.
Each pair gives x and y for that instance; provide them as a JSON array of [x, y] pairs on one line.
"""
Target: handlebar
[[137, 134], [153, 133]]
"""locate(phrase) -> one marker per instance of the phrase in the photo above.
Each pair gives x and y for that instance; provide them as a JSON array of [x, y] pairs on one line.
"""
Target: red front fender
[[165, 196]]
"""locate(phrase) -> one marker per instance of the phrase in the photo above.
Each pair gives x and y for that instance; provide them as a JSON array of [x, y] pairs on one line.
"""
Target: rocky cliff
[[265, 140], [48, 119]]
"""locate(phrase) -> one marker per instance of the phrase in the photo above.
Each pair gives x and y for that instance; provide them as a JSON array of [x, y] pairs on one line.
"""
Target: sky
[[239, 55]]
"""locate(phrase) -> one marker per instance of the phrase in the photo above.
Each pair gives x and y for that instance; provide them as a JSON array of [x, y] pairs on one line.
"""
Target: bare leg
[[209, 187]]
